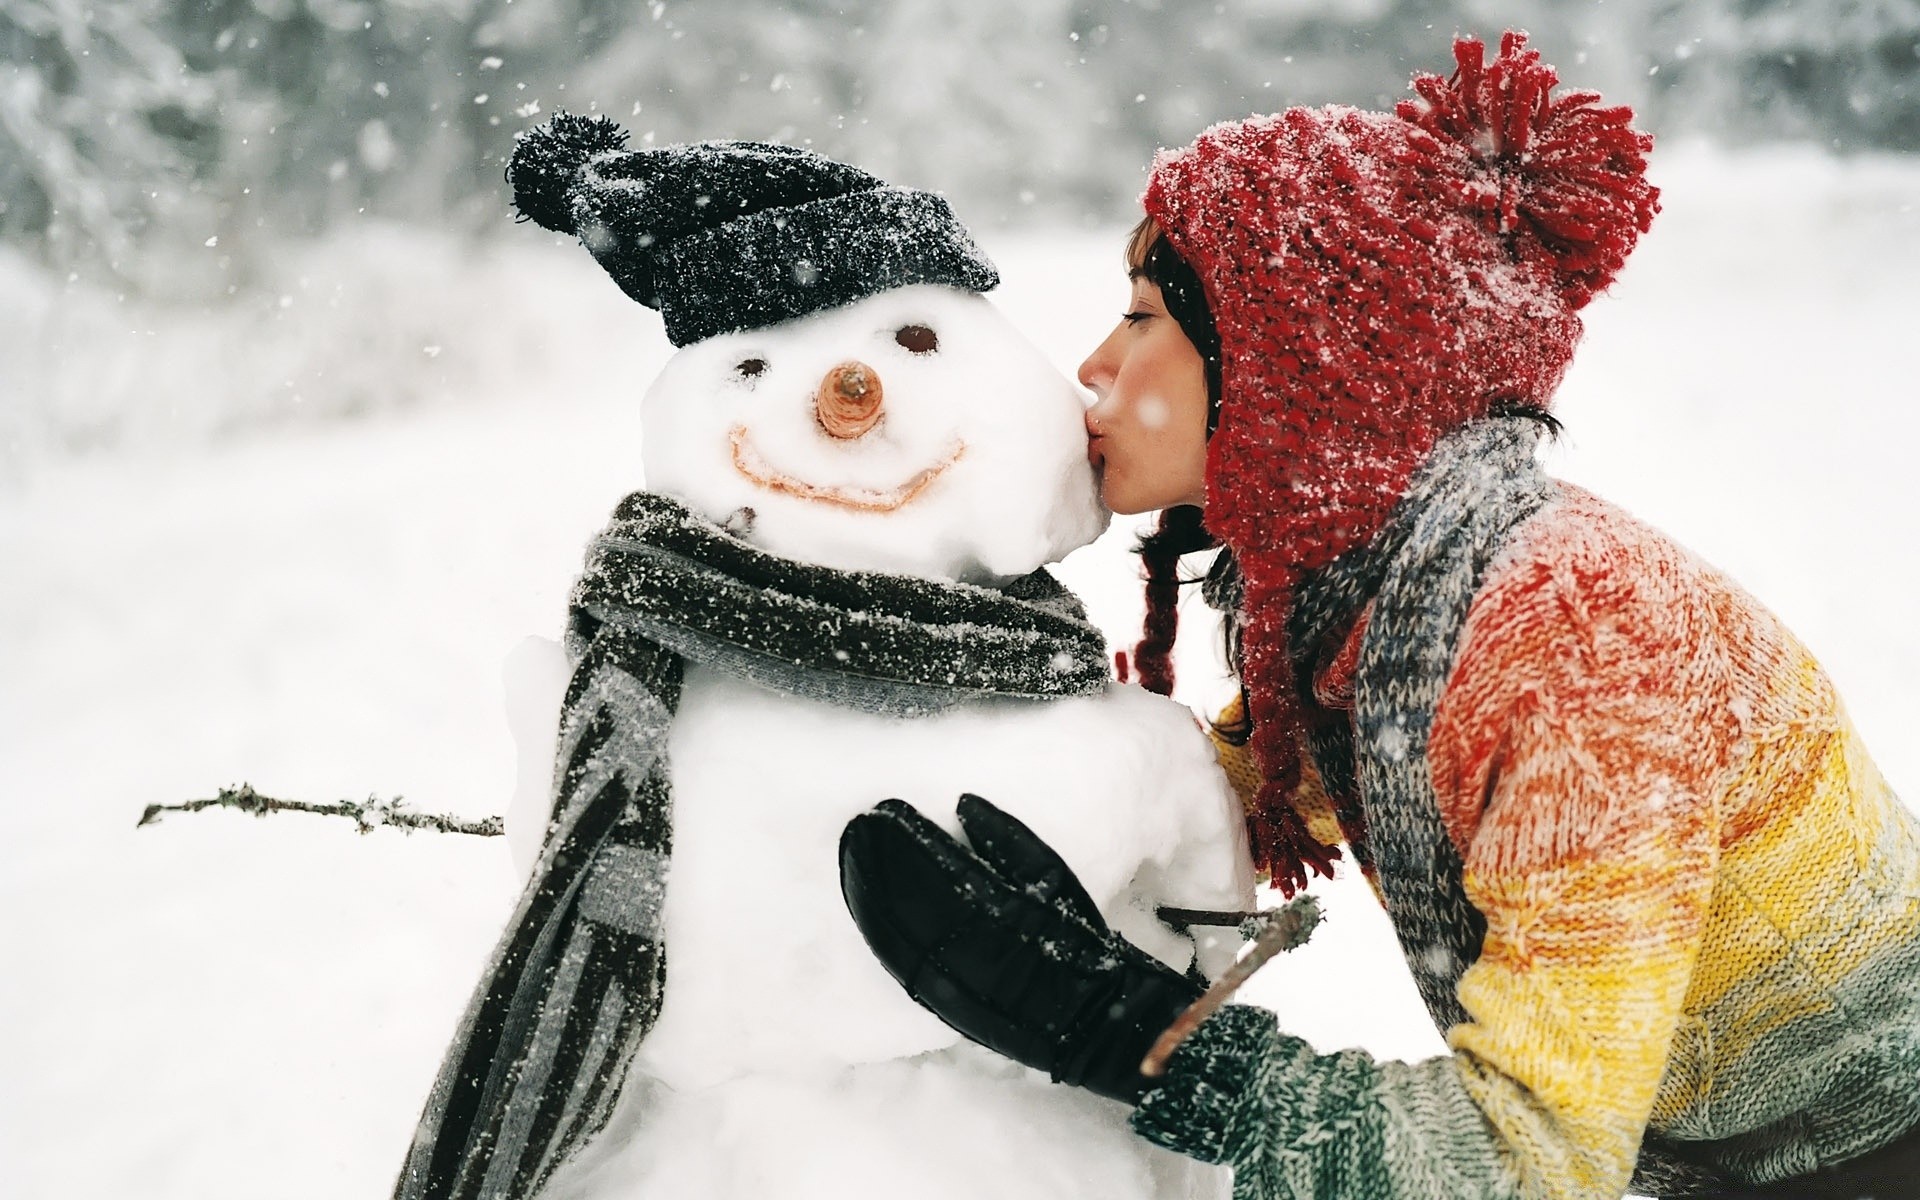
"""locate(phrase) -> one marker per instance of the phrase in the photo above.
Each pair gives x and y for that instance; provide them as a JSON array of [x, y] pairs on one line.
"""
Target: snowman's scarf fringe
[[577, 980]]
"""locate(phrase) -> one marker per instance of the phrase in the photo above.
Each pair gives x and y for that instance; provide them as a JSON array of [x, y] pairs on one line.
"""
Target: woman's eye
[[751, 368], [1134, 317], [917, 338]]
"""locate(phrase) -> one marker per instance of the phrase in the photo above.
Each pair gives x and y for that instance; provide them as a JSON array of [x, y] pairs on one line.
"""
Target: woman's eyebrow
[[1134, 273]]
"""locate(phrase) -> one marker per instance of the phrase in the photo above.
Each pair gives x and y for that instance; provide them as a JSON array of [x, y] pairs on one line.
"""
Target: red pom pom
[[1565, 174]]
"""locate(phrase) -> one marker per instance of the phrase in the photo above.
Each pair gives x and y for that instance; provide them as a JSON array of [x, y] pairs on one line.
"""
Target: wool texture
[[1652, 888], [1377, 281], [577, 979], [723, 236]]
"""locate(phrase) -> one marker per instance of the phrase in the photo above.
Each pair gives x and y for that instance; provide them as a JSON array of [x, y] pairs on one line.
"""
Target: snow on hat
[[723, 236], [1378, 280]]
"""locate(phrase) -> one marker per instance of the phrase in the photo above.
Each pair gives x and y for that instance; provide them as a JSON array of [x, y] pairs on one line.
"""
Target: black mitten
[[1002, 942]]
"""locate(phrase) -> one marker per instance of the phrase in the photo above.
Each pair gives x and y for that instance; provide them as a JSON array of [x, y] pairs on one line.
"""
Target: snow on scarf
[[578, 977]]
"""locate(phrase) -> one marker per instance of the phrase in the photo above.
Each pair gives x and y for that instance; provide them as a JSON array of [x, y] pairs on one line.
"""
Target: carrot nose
[[848, 402]]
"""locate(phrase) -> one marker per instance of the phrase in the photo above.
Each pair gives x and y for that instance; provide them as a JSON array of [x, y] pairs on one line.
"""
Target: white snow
[[1117, 783], [533, 688], [772, 993], [222, 1007], [968, 1115]]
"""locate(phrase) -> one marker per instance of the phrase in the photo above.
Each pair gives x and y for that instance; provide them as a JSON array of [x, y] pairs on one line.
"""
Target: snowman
[[831, 593]]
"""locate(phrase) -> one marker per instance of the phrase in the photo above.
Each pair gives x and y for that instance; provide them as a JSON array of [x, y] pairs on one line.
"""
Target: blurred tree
[[133, 132], [1846, 76], [333, 108], [1015, 111], [100, 120]]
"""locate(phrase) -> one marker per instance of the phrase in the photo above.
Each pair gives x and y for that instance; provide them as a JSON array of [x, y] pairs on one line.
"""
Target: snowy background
[[223, 1007], [298, 439]]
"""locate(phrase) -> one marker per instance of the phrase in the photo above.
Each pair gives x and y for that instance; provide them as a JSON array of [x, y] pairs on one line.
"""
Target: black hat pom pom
[[547, 160]]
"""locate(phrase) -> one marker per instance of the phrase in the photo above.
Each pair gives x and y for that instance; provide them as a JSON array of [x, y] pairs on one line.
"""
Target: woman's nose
[[1096, 374], [848, 402], [1092, 376]]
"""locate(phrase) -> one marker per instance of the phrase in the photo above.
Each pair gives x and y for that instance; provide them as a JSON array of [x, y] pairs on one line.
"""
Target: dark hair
[[1549, 424], [1181, 530], [1152, 257]]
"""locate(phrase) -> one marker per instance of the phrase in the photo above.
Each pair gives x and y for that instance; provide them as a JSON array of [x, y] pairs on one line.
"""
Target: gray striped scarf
[[577, 979]]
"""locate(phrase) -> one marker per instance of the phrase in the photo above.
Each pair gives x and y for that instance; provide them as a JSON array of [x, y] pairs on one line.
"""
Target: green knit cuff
[[1209, 1104]]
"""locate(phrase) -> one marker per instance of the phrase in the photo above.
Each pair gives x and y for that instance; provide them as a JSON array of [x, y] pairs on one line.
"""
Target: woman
[[1647, 879]]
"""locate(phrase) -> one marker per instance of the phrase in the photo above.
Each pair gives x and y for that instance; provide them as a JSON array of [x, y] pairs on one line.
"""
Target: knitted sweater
[[1701, 908]]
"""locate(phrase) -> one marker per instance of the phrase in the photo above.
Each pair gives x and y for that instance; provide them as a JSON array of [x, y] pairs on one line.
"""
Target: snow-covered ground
[[219, 1007]]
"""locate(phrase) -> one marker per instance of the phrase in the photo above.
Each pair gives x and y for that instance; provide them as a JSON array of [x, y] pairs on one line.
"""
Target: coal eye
[[751, 368], [917, 338]]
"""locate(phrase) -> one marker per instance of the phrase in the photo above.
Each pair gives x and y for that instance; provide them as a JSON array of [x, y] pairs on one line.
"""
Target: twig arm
[[1281, 930], [1182, 919], [369, 814]]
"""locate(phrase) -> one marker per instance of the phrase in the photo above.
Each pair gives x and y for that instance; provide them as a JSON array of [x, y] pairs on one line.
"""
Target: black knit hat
[[724, 236]]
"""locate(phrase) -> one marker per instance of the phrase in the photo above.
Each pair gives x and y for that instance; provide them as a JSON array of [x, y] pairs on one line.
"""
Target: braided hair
[[1181, 530]]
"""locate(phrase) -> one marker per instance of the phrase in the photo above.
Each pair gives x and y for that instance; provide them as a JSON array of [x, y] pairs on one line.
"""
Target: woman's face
[[1147, 430]]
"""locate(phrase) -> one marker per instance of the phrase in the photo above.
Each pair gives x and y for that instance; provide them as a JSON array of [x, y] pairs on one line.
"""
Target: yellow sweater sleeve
[[1243, 772], [1576, 755]]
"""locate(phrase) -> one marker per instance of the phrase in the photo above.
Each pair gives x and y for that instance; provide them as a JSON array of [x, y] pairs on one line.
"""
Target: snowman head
[[843, 393], [914, 431]]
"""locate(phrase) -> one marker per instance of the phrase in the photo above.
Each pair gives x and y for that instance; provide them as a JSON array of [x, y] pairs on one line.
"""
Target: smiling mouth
[[748, 462]]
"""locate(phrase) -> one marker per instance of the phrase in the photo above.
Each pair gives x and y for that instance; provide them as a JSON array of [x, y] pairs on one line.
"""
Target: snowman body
[[785, 1063]]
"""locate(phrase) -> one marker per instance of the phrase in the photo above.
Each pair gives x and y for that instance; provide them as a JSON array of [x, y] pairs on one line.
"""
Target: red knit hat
[[1378, 280]]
